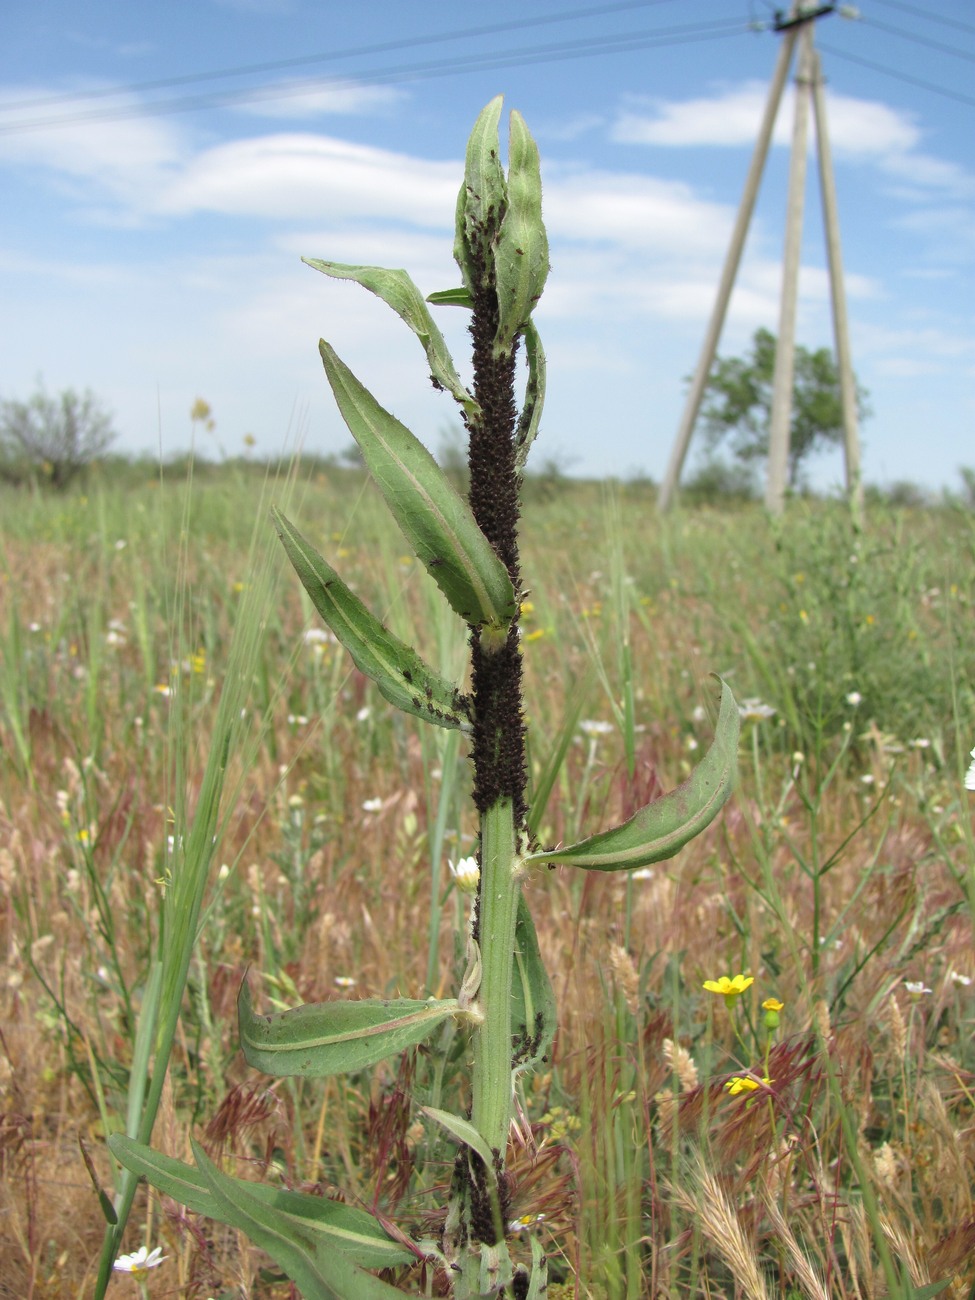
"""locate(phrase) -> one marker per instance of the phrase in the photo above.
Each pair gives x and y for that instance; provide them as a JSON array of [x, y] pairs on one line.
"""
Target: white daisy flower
[[139, 1264], [466, 873]]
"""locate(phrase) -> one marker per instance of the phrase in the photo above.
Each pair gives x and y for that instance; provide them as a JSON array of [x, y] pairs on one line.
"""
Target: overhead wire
[[929, 15], [331, 56], [957, 95], [585, 47], [917, 39]]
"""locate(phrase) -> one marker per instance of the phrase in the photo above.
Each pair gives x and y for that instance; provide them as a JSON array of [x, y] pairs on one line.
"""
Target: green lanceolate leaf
[[482, 200], [533, 1015], [463, 1131], [402, 676], [330, 1225], [433, 516], [335, 1037], [531, 412], [661, 828], [397, 289], [451, 298], [320, 1275], [521, 253]]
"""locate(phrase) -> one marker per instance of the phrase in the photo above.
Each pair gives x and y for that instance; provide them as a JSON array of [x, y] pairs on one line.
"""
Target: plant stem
[[497, 912], [498, 747]]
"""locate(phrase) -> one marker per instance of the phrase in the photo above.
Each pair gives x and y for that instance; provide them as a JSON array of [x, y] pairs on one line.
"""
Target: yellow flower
[[746, 1084], [729, 988], [772, 1007], [737, 1085]]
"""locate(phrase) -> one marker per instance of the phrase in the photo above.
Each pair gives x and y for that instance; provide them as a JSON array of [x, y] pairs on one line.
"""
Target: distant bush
[[50, 440], [902, 493], [716, 481]]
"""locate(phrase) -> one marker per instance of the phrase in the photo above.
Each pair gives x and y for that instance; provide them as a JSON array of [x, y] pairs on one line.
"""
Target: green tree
[[738, 402], [52, 439]]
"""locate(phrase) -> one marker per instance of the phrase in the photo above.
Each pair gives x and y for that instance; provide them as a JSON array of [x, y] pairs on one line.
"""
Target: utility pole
[[780, 417], [797, 30], [841, 330], [745, 209]]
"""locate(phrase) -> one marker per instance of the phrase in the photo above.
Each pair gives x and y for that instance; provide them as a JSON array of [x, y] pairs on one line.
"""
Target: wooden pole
[[695, 395], [782, 379], [841, 333]]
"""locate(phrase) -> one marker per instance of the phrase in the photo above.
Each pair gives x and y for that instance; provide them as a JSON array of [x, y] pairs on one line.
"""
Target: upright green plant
[[470, 548]]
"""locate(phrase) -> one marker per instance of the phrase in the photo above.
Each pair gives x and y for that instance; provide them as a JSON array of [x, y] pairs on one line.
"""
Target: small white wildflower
[[645, 873], [372, 805], [916, 989], [867, 778], [344, 982], [224, 871], [970, 775], [699, 713], [691, 743], [139, 1264], [919, 742], [854, 698], [317, 636], [466, 873], [755, 711], [33, 627], [595, 727], [957, 977]]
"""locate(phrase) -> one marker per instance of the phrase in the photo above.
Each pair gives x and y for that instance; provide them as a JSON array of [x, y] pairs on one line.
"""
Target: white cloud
[[857, 127], [119, 160], [663, 217], [922, 349], [304, 99], [308, 177]]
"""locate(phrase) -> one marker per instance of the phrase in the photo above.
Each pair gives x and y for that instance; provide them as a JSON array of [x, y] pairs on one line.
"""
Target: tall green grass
[[844, 868]]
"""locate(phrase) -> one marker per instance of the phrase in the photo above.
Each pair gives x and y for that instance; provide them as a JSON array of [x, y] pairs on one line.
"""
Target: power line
[[587, 47], [899, 76], [306, 60], [917, 39], [926, 13]]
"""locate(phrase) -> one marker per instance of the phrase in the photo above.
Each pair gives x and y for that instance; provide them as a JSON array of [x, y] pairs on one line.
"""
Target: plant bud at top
[[521, 257], [482, 201]]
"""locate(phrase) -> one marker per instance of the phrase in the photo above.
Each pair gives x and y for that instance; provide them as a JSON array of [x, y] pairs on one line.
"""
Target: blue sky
[[150, 234]]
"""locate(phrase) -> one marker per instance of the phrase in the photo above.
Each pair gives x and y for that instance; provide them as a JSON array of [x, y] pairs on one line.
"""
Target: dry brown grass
[[756, 1190]]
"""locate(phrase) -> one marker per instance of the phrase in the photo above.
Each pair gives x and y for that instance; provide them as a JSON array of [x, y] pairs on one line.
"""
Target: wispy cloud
[[303, 99], [304, 177], [731, 117], [120, 161]]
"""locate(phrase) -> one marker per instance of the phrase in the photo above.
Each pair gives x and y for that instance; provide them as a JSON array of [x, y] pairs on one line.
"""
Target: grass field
[[841, 877]]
